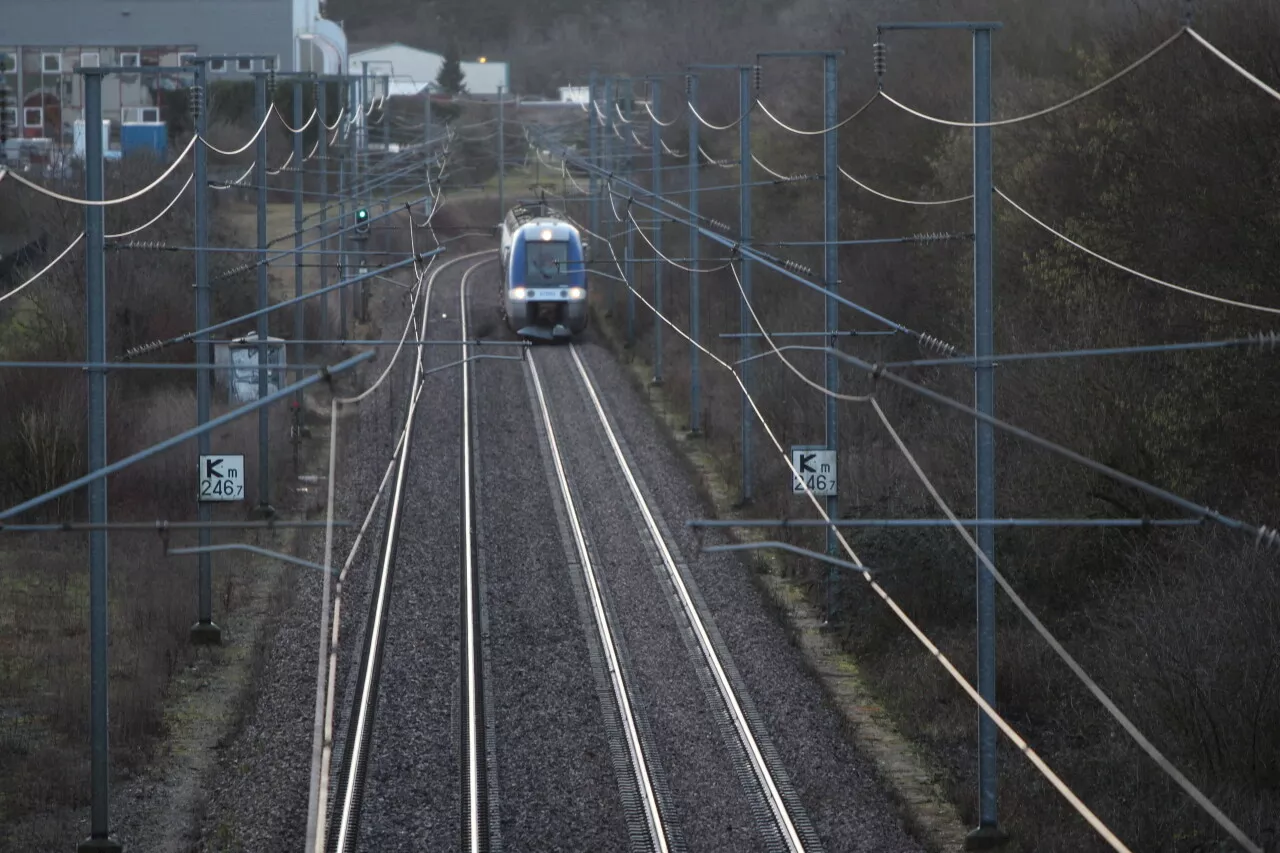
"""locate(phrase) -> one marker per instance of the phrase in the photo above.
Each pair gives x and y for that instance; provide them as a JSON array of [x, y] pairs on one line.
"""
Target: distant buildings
[[412, 70], [43, 41]]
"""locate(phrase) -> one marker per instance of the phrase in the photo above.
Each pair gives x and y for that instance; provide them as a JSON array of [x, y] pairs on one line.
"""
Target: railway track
[[343, 835], [647, 817], [653, 815], [477, 726], [778, 813]]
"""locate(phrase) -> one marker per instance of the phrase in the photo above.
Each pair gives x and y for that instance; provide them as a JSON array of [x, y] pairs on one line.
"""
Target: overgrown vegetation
[[1171, 170], [44, 602]]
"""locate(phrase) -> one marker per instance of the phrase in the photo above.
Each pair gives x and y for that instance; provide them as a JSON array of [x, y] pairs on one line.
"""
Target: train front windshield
[[548, 262]]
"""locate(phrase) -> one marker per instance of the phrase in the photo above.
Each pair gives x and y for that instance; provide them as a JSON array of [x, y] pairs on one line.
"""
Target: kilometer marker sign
[[817, 466], [221, 478]]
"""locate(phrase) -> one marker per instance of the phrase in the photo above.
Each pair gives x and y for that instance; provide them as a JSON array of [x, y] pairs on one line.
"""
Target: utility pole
[[344, 140], [96, 340], [744, 313], [831, 276], [426, 142], [984, 456], [988, 833], [745, 368], [593, 143], [386, 119], [695, 283], [610, 96], [204, 632], [322, 111], [655, 143], [502, 157], [366, 107], [362, 197], [299, 185], [264, 417], [630, 272]]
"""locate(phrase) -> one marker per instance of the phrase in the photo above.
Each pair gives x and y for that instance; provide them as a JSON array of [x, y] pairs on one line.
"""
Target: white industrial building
[[411, 70]]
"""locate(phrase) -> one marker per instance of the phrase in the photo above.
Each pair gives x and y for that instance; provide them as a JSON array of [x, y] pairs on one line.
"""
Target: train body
[[544, 277]]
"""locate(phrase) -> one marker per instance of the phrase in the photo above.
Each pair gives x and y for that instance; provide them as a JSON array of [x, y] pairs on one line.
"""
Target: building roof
[[365, 47]]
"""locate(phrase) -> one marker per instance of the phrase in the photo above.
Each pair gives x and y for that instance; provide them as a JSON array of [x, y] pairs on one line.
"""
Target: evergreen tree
[[450, 79]]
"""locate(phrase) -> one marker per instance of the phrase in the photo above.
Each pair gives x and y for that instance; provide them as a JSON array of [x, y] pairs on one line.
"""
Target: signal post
[[361, 238]]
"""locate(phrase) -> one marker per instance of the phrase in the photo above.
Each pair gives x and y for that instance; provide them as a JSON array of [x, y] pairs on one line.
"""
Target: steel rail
[[639, 763], [772, 795], [361, 725], [476, 781]]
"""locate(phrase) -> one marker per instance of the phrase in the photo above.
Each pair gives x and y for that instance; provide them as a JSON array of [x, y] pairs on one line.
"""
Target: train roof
[[560, 228], [521, 215]]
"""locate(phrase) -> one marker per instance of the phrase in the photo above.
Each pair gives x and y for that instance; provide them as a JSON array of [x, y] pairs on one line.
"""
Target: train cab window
[[547, 261]]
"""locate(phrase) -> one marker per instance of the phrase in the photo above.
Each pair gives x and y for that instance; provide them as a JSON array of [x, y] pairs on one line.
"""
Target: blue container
[[150, 136]]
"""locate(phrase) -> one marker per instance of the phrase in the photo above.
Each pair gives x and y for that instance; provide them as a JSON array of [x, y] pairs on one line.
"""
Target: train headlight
[[577, 293], [546, 234], [517, 293]]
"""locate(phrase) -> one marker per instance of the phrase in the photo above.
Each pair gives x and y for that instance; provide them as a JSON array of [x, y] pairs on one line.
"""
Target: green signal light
[[362, 214], [362, 220]]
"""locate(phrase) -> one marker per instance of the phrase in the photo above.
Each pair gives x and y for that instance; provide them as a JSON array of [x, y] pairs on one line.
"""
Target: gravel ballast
[[557, 788], [712, 806], [257, 797], [841, 791], [556, 772], [411, 790]]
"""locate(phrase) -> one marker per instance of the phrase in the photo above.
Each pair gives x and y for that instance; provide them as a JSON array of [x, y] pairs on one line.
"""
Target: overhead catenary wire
[[32, 280], [1197, 293], [1262, 533], [1124, 72], [284, 121], [111, 201], [243, 148], [1106, 701], [918, 202], [780, 123], [1009, 731]]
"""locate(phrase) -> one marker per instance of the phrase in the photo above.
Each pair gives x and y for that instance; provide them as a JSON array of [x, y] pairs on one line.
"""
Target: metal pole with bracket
[[204, 632], [502, 156], [299, 176], [744, 313], [96, 340], [322, 110], [655, 142], [695, 283], [831, 276], [984, 457], [593, 145], [264, 417], [628, 154], [988, 833]]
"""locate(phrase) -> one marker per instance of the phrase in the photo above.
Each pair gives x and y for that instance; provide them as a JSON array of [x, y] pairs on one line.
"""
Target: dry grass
[[44, 603], [44, 617]]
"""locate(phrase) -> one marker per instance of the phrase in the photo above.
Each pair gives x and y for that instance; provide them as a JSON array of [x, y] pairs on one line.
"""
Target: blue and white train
[[544, 275]]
